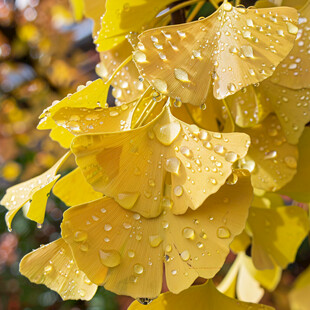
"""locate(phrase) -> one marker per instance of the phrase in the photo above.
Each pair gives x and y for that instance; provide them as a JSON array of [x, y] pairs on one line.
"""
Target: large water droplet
[[110, 258], [80, 236], [188, 233], [155, 240], [139, 57], [127, 200], [185, 255], [178, 190], [291, 162], [173, 165], [181, 75], [223, 232], [138, 269], [166, 134], [291, 28]]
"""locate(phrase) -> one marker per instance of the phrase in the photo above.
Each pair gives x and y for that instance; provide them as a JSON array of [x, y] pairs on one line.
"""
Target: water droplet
[[188, 233], [110, 258], [231, 157], [138, 269], [139, 57], [223, 232], [232, 179], [131, 254], [291, 162], [107, 227], [155, 241], [227, 6], [247, 51], [181, 75], [185, 255], [291, 28], [166, 134], [168, 248], [186, 151], [80, 236], [144, 300], [231, 87], [178, 190], [127, 200], [173, 165], [48, 269]]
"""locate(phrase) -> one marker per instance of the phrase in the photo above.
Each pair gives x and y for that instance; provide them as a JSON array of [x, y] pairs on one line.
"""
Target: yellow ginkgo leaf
[[291, 106], [267, 200], [79, 121], [126, 84], [297, 4], [125, 252], [94, 9], [125, 16], [276, 235], [53, 266], [78, 8], [32, 194], [247, 108], [91, 96], [246, 282], [74, 190], [132, 166], [271, 160], [299, 187], [251, 281], [240, 243], [202, 297], [231, 49], [293, 72], [299, 296]]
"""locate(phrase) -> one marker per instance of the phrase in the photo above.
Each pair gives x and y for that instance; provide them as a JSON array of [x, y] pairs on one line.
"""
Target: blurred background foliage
[[44, 55]]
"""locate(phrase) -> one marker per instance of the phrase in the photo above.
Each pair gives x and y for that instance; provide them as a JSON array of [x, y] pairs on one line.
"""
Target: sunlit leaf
[[292, 108], [247, 107], [277, 235], [293, 72], [231, 49], [132, 166], [93, 95], [125, 16], [126, 250], [32, 194], [271, 160], [202, 297], [299, 187], [53, 265], [73, 189]]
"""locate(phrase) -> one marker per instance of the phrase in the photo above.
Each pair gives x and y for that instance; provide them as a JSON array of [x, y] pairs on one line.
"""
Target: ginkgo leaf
[[271, 160], [32, 194], [78, 8], [74, 190], [53, 266], [267, 200], [91, 96], [94, 9], [132, 166], [126, 84], [231, 49], [127, 251], [240, 243], [291, 106], [202, 297], [125, 16], [79, 121], [251, 281], [247, 107], [299, 296], [297, 4], [293, 71], [276, 235], [299, 187]]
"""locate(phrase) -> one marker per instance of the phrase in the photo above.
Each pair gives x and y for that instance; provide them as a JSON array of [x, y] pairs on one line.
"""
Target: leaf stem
[[195, 11]]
